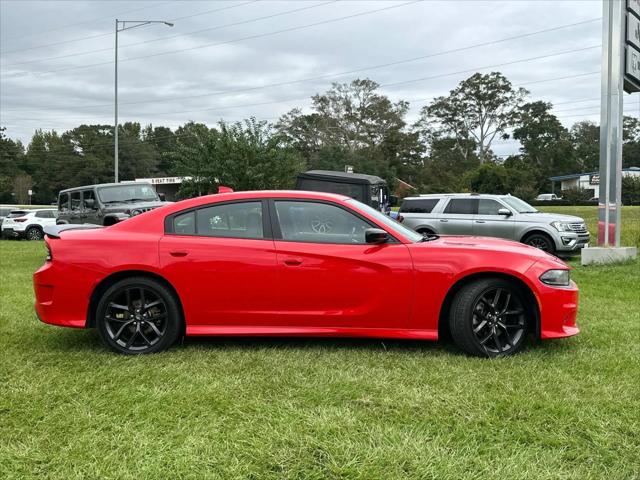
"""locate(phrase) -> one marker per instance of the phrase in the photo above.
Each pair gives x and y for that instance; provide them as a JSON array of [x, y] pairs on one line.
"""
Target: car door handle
[[480, 221], [178, 254], [292, 262], [444, 220]]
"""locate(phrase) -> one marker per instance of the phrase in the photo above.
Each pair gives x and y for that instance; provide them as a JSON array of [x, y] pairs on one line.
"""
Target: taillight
[[23, 219]]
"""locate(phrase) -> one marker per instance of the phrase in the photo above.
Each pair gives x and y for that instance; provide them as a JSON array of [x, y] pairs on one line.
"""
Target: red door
[[222, 266], [328, 275]]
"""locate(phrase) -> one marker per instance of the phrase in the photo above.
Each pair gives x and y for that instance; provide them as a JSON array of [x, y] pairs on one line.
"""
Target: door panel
[[329, 285], [457, 216], [489, 223]]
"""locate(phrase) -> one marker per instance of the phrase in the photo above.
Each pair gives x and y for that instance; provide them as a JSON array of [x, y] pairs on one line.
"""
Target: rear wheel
[[34, 233], [138, 315], [541, 241], [489, 318]]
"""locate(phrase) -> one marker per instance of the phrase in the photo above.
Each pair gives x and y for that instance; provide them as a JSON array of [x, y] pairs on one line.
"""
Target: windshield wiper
[[113, 201], [141, 200], [428, 238]]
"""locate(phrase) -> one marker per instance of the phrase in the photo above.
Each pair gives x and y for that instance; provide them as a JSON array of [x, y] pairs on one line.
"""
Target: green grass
[[315, 409]]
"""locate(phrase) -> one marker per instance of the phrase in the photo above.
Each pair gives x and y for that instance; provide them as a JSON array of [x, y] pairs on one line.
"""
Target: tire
[[540, 241], [138, 315], [485, 325], [34, 233]]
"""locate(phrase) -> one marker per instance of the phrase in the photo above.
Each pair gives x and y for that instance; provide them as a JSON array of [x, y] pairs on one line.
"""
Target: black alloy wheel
[[541, 242], [489, 318], [34, 233], [138, 315]]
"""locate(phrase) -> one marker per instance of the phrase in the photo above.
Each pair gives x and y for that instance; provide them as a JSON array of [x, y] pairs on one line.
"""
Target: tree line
[[449, 148]]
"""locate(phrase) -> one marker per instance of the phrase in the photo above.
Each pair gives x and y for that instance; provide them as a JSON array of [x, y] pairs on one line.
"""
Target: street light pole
[[119, 28]]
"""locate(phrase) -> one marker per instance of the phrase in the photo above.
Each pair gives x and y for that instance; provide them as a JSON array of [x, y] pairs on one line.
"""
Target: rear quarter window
[[462, 206], [421, 205]]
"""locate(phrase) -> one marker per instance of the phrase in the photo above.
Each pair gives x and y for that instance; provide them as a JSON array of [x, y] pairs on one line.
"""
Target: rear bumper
[[12, 233], [57, 305]]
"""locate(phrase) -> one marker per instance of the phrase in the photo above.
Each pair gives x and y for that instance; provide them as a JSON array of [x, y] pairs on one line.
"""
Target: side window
[[63, 202], [89, 200], [236, 220], [422, 205], [462, 206], [489, 207], [319, 223], [75, 201], [185, 224], [44, 214]]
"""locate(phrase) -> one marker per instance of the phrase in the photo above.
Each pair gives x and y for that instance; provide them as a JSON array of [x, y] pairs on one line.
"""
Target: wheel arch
[[527, 292], [538, 231], [106, 282]]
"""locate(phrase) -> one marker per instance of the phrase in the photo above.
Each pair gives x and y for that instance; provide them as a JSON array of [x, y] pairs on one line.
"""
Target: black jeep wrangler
[[107, 203]]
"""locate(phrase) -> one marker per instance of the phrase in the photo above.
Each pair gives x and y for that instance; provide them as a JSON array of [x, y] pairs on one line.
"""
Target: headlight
[[556, 277], [561, 226]]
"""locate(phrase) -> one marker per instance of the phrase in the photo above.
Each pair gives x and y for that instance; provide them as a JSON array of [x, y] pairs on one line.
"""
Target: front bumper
[[571, 242]]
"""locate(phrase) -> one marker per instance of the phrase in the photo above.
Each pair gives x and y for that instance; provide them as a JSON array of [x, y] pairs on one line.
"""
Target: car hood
[[547, 218], [121, 207], [488, 244]]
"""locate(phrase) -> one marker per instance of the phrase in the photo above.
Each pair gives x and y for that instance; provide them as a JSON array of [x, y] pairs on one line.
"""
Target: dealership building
[[587, 181]]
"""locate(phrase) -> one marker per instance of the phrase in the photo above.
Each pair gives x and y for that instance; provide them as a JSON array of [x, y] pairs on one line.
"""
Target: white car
[[28, 224], [547, 197]]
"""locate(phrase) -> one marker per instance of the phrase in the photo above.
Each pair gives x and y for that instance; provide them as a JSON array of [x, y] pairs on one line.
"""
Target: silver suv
[[501, 216]]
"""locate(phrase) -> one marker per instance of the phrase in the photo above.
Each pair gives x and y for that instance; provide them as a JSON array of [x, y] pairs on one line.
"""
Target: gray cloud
[[76, 94]]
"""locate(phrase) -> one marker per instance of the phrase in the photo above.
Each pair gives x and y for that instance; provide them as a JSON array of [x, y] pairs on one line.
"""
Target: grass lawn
[[316, 409]]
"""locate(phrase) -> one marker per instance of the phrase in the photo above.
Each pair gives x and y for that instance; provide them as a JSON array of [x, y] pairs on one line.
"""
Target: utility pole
[[120, 26]]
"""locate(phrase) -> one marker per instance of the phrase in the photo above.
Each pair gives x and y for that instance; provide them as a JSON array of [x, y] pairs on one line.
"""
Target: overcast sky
[[222, 58]]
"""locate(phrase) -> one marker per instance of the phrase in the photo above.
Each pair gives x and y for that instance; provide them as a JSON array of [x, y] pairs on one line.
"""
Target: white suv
[[28, 224]]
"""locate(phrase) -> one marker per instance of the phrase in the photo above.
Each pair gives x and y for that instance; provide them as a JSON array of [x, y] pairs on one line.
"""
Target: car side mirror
[[162, 197], [505, 211], [375, 235], [90, 203]]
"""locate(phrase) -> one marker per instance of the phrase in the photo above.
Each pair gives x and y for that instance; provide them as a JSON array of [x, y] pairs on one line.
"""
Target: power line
[[83, 22], [165, 38], [349, 72], [250, 37], [89, 37]]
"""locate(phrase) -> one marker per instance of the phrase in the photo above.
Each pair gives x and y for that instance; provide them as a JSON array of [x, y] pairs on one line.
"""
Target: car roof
[[443, 195], [259, 194], [341, 176], [99, 185]]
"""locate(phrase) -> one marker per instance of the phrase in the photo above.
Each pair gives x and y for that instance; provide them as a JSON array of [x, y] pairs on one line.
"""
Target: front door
[[329, 276], [222, 262], [489, 223]]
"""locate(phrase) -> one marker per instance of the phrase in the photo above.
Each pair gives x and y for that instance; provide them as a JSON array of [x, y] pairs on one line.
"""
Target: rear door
[[457, 217], [489, 223], [329, 277], [222, 261]]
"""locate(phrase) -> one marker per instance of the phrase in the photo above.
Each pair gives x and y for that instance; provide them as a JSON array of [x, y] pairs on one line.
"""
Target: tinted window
[[350, 190], [185, 224], [462, 206], [63, 202], [44, 214], [238, 220], [489, 207], [17, 213], [419, 205], [319, 223]]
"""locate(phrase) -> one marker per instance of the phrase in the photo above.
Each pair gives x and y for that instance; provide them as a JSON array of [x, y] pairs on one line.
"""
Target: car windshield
[[127, 193], [518, 205], [388, 221]]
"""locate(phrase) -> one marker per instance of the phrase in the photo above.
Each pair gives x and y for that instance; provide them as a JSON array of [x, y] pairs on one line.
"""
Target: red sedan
[[297, 264]]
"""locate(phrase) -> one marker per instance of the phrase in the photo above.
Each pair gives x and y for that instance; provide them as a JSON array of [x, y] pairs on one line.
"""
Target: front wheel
[[138, 315], [540, 241], [488, 318]]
